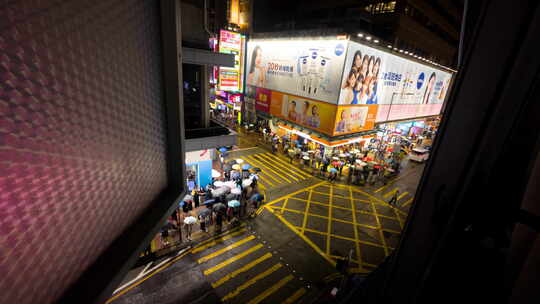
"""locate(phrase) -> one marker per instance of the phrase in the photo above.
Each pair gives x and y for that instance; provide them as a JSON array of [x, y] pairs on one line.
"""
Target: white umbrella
[[342, 155], [239, 161], [306, 157], [335, 158], [215, 173], [230, 184], [236, 191], [218, 183], [190, 220], [247, 182], [236, 167], [188, 197]]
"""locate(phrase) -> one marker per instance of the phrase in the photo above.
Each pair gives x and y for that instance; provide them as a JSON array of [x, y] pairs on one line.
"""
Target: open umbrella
[[220, 208], [220, 191], [209, 202], [335, 158], [256, 197], [190, 220], [218, 183], [227, 167], [246, 166], [233, 204], [333, 170], [239, 161], [256, 169], [236, 191], [222, 149], [215, 173], [247, 182], [230, 184], [205, 212], [342, 155], [236, 167], [188, 197], [306, 157], [230, 196]]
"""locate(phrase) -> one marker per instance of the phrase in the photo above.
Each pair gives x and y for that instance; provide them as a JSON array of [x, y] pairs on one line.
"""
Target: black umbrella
[[220, 208], [205, 212], [209, 202], [230, 197], [256, 169]]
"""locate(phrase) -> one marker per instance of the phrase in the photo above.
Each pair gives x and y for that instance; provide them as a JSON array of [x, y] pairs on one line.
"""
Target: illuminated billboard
[[230, 79], [307, 68], [403, 88]]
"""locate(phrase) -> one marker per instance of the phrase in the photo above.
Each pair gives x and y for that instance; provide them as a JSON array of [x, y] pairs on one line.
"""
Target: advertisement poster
[[319, 116], [307, 68], [402, 87], [230, 79], [262, 100], [352, 119]]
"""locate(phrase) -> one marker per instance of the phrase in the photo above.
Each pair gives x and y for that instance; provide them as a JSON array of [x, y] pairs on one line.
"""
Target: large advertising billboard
[[312, 114], [403, 88], [230, 79], [354, 118], [307, 68]]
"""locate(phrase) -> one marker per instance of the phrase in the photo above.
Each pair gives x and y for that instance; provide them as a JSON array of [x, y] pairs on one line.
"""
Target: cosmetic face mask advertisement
[[306, 68]]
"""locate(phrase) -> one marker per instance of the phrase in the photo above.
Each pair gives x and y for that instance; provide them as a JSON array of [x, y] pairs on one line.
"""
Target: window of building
[[381, 7]]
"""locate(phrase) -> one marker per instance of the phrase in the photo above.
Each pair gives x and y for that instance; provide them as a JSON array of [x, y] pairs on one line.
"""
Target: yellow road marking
[[232, 259], [358, 255], [221, 251], [381, 235], [387, 195], [254, 161], [284, 205], [297, 295], [294, 193], [329, 222], [402, 195], [167, 265], [304, 222], [269, 163], [217, 241], [286, 162], [344, 238], [241, 270], [252, 281], [306, 239], [283, 167], [266, 180], [408, 202], [271, 290]]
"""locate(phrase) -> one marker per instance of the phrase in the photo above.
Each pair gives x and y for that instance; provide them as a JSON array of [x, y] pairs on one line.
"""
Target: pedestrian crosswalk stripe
[[271, 290], [387, 195], [297, 295], [241, 270], [232, 246], [288, 169], [219, 240], [402, 195], [266, 161], [232, 259], [250, 282], [285, 163], [255, 164], [260, 164]]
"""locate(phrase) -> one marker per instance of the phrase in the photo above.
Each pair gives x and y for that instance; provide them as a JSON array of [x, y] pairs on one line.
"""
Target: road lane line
[[358, 255], [223, 250], [259, 164], [258, 299], [217, 241], [252, 281], [283, 167], [304, 222], [264, 160], [297, 295], [329, 228], [241, 270], [381, 234], [232, 259], [402, 195]]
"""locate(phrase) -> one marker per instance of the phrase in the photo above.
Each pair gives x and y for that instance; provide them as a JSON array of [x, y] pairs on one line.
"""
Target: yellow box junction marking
[[252, 281], [387, 195], [271, 290], [329, 228], [221, 251], [357, 245], [232, 259], [241, 270], [402, 195]]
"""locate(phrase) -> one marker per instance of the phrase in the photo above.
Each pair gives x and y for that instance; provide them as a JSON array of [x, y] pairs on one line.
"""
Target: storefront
[[199, 168]]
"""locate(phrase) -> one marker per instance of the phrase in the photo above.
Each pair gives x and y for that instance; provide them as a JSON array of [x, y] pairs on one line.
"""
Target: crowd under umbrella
[[231, 196], [239, 161], [218, 183], [188, 197], [246, 166], [219, 208], [233, 204], [209, 202], [230, 184], [247, 182], [215, 173], [236, 191], [220, 191]]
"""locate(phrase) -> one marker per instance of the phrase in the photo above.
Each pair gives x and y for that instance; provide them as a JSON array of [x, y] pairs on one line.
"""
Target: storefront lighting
[[395, 49], [389, 46], [401, 51], [368, 38], [376, 41], [406, 53], [360, 35]]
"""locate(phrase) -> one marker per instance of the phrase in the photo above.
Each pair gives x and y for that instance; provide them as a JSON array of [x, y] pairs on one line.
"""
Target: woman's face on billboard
[[258, 57]]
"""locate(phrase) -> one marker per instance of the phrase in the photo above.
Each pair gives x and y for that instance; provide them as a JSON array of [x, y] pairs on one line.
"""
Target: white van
[[419, 155]]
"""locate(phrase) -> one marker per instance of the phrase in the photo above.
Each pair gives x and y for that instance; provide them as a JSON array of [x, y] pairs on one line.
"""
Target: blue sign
[[420, 81], [339, 49]]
